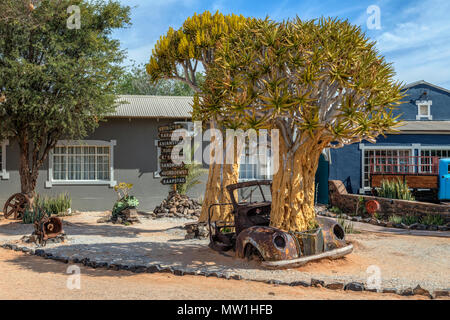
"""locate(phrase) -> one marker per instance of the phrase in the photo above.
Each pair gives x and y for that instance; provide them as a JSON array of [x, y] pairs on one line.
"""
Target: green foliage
[[195, 171], [321, 82], [432, 220], [395, 189], [347, 226], [54, 205], [57, 82], [409, 220], [335, 210], [395, 219], [136, 81], [125, 203], [30, 216]]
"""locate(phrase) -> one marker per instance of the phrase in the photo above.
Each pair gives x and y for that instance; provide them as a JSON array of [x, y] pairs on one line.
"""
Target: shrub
[[409, 220], [432, 220], [30, 216], [54, 206], [335, 210], [125, 200], [395, 219], [347, 226], [395, 189]]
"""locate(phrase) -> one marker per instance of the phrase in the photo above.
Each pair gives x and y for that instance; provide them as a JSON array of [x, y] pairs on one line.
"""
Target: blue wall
[[440, 109], [346, 162]]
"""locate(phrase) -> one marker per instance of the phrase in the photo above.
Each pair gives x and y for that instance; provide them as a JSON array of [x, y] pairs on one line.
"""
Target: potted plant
[[125, 208]]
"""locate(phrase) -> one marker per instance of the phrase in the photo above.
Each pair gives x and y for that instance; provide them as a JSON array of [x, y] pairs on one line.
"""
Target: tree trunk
[[293, 187], [28, 176], [220, 175]]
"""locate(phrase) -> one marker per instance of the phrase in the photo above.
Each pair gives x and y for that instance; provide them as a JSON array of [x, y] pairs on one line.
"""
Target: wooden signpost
[[173, 173]]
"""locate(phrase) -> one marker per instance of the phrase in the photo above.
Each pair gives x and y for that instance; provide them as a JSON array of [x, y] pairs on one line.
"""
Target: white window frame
[[424, 103], [76, 143], [363, 147], [430, 148], [3, 173]]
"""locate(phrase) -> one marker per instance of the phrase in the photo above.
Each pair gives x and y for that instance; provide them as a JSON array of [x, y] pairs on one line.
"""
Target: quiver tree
[[57, 82], [321, 83], [178, 55]]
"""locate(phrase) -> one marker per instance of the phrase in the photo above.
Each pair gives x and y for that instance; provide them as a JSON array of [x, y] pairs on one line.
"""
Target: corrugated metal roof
[[426, 126], [153, 107]]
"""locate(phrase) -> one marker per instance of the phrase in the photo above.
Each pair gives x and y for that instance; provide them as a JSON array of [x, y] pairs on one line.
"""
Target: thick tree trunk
[[293, 188], [220, 175]]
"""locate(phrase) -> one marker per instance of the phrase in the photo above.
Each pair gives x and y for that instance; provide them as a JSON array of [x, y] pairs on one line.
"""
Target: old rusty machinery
[[47, 228], [373, 206], [16, 205]]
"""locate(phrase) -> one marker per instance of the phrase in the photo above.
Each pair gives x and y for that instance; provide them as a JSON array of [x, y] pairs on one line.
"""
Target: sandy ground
[[403, 260], [31, 277]]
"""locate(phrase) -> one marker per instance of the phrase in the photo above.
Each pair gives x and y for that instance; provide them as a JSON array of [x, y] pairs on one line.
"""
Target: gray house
[[122, 149]]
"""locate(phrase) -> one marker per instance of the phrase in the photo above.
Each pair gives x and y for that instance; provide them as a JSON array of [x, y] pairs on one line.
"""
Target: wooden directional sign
[[170, 181], [170, 127], [173, 173]]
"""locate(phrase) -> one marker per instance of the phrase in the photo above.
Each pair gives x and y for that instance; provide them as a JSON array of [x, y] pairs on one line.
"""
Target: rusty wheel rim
[[15, 206]]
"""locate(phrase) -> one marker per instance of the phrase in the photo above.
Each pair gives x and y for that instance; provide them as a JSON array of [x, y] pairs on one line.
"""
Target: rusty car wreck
[[251, 236]]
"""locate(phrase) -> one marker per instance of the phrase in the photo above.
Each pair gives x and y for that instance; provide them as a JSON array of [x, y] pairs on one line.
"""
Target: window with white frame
[[425, 157], [3, 173], [379, 159], [424, 110], [254, 169], [88, 162]]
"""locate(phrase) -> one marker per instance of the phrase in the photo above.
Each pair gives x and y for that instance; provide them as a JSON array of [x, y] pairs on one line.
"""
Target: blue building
[[425, 133]]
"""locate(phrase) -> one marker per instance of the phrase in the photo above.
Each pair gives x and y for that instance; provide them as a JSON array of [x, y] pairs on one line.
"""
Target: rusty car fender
[[272, 244]]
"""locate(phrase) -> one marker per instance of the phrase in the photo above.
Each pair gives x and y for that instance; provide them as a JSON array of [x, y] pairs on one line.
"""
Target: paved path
[[379, 229]]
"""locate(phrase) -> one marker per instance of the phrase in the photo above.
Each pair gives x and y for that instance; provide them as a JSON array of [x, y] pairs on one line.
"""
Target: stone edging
[[351, 286], [376, 222]]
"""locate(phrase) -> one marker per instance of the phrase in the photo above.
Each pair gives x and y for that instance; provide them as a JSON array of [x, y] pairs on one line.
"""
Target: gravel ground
[[404, 261]]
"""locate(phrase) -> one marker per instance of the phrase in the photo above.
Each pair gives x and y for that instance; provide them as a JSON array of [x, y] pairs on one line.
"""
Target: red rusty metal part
[[270, 243], [16, 205], [48, 228], [372, 206]]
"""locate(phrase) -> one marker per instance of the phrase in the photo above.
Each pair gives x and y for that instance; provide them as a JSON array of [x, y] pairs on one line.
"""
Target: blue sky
[[414, 34]]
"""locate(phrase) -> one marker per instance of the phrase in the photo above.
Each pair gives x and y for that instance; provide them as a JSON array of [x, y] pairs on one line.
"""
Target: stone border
[[157, 268], [376, 222]]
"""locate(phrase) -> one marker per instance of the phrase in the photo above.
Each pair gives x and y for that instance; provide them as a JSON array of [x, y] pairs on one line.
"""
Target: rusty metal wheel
[[15, 206]]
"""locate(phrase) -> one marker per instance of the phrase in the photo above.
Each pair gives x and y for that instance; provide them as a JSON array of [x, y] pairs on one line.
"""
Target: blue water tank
[[444, 179]]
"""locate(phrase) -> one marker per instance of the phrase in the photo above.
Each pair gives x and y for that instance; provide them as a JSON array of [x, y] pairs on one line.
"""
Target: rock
[[442, 228], [354, 286], [317, 283], [421, 227], [335, 286], [414, 226], [407, 292], [419, 291], [299, 283], [441, 293]]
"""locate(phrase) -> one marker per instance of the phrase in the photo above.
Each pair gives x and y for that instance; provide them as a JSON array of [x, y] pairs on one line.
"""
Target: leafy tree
[[322, 83], [178, 55], [136, 81], [57, 82]]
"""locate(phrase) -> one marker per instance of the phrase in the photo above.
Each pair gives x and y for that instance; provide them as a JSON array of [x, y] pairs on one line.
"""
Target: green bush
[[432, 220], [395, 189], [30, 216], [335, 210], [395, 219], [125, 203], [54, 206], [409, 220]]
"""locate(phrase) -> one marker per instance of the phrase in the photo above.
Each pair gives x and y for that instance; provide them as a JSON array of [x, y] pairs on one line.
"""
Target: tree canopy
[[57, 82], [322, 83]]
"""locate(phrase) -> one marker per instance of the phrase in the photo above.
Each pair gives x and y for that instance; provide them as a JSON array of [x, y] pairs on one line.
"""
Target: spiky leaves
[[322, 83]]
